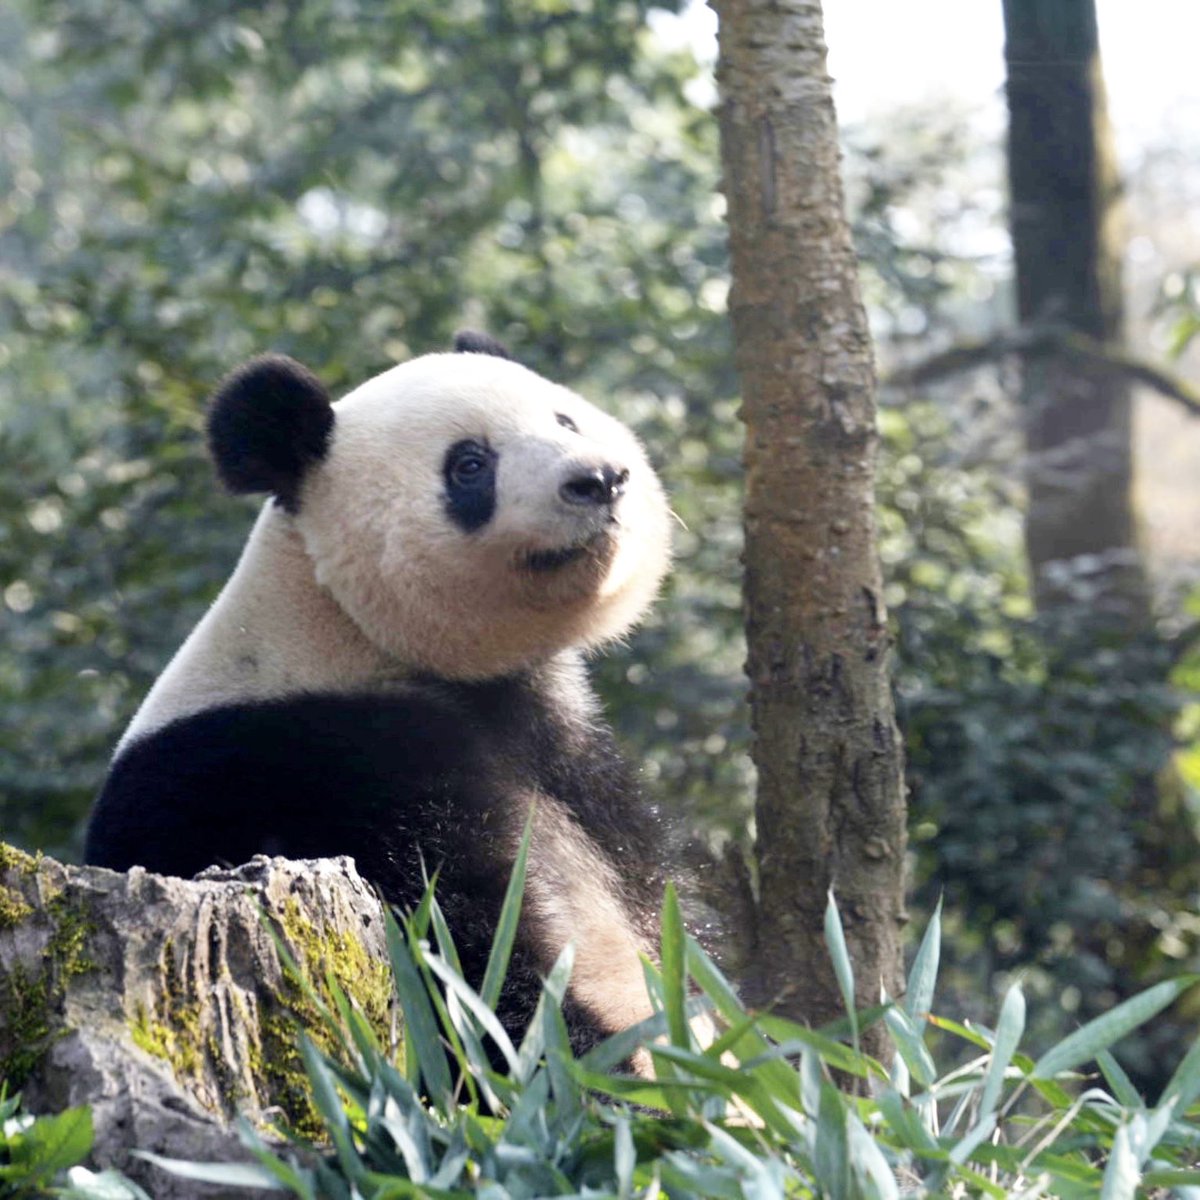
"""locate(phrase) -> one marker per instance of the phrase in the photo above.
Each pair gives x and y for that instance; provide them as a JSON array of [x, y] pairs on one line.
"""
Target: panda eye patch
[[566, 422], [469, 470]]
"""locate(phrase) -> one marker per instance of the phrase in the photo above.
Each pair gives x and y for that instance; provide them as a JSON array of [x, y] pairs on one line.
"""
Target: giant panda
[[394, 670]]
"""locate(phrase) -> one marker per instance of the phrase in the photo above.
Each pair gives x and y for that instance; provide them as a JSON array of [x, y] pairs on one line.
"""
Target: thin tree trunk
[[1068, 240], [830, 806]]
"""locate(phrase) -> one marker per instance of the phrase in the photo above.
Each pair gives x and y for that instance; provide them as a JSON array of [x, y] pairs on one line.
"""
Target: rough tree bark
[[830, 805], [1066, 223]]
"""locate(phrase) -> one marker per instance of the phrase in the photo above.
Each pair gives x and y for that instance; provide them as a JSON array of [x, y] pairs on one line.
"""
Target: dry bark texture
[[1067, 233], [163, 1004], [830, 806]]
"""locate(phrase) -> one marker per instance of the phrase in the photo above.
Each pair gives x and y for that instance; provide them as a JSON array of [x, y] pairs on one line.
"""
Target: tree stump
[[165, 1005]]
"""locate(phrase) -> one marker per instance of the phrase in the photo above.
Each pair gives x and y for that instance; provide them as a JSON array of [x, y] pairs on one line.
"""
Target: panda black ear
[[468, 341], [268, 422]]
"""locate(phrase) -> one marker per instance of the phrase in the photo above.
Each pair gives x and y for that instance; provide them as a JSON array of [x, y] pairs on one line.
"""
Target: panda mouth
[[553, 560]]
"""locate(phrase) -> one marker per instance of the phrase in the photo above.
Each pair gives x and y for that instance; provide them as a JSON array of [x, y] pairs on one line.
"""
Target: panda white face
[[469, 516]]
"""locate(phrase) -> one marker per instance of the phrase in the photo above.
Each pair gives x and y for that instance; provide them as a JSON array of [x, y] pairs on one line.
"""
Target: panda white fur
[[393, 670]]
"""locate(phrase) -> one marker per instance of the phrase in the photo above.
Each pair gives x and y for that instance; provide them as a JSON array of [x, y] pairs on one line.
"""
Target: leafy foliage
[[1030, 747], [768, 1109], [41, 1156]]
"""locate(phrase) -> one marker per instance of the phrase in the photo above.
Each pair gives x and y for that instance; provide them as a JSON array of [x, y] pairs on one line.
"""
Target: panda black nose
[[595, 485]]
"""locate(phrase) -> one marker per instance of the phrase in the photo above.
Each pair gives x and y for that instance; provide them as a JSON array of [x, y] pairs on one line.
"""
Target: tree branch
[[1035, 341]]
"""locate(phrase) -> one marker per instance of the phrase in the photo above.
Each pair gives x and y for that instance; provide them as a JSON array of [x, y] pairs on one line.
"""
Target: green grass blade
[[761, 1182], [1084, 1044], [445, 939], [1170, 1177], [911, 1048], [724, 998], [835, 940], [421, 1026], [966, 1145], [831, 1157], [1121, 1085], [533, 1043], [329, 1104], [661, 1094], [1008, 1036], [354, 1023], [922, 978], [1184, 1083], [302, 981], [617, 1047], [732, 1081], [959, 1030], [674, 974], [1121, 1176], [289, 1176], [877, 1180], [506, 926], [906, 1125], [624, 1156], [834, 1054], [239, 1175], [474, 1004]]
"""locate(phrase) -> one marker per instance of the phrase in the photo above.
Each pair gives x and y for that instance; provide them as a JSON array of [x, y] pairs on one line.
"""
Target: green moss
[[12, 859], [229, 1087], [366, 980], [320, 956], [171, 1030], [13, 909], [26, 1027], [67, 947], [31, 999]]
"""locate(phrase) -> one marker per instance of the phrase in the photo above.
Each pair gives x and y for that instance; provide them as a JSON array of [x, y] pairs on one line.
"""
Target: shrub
[[770, 1109]]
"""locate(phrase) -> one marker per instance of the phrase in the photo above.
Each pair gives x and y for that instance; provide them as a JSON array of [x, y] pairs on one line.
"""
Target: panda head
[[470, 517]]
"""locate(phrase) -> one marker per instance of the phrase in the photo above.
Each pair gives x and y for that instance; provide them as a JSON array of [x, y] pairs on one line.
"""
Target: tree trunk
[[1066, 223], [830, 805]]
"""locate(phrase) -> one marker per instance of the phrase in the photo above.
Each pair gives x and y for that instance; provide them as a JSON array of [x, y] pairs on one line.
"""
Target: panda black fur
[[394, 669]]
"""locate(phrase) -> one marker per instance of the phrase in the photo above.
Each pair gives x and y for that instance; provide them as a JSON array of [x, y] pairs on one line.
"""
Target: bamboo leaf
[[1084, 1044], [835, 939], [1121, 1176], [1121, 1084], [1184, 1084], [1008, 1036], [242, 1175], [923, 976], [831, 1157], [877, 1179], [329, 1104], [908, 1043], [506, 926], [420, 1024], [674, 976], [456, 985]]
